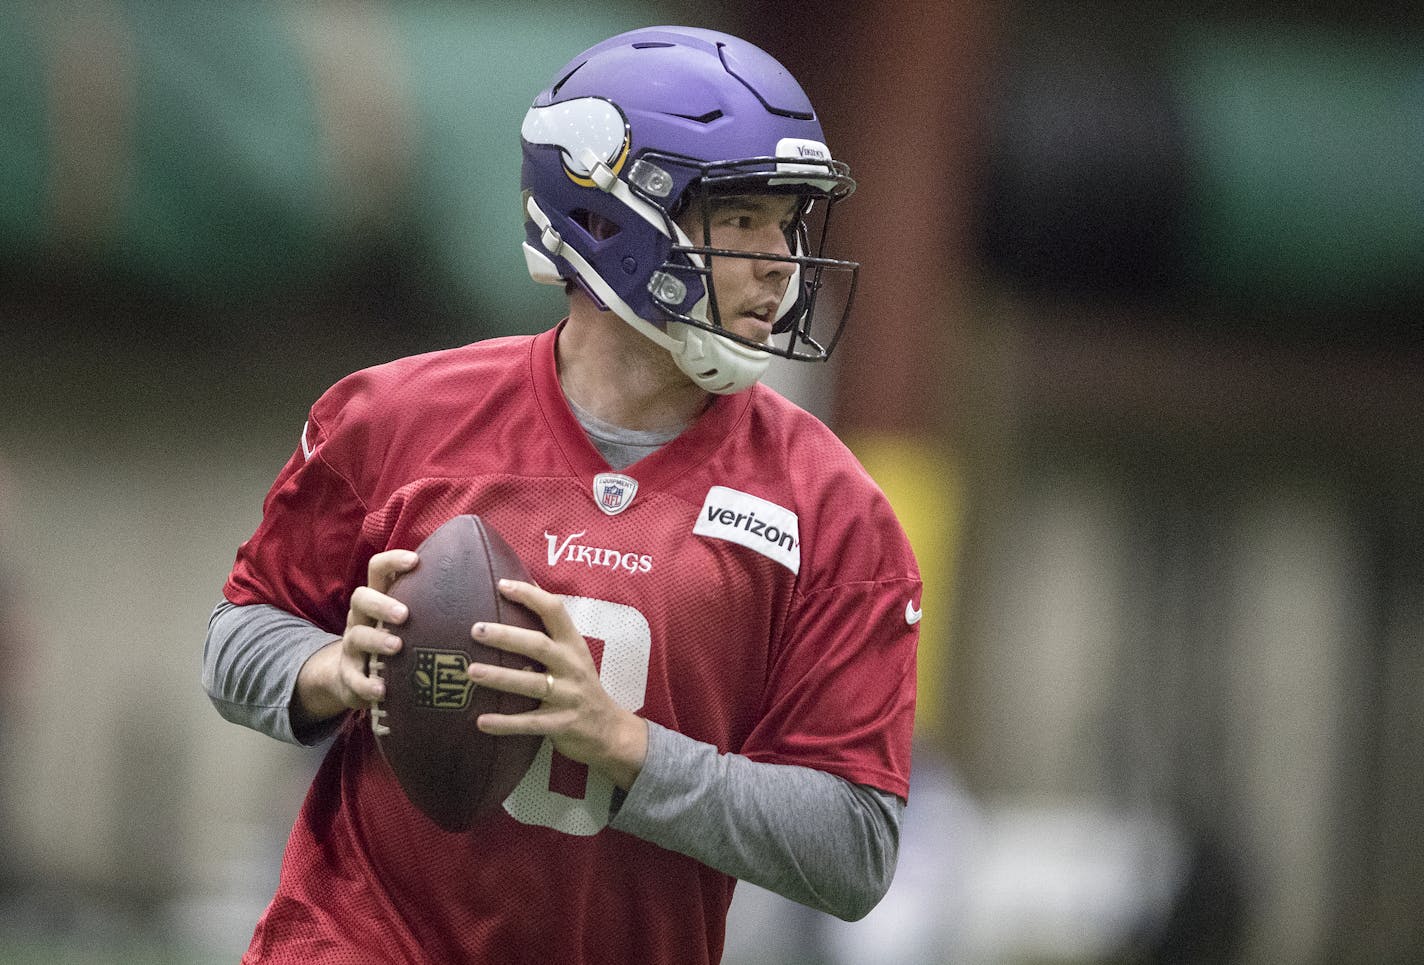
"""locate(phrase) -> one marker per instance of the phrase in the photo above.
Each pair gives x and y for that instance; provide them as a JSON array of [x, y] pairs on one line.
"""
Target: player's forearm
[[252, 660], [802, 833]]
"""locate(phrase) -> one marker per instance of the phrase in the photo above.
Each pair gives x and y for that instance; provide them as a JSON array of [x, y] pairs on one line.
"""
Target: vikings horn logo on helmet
[[587, 131]]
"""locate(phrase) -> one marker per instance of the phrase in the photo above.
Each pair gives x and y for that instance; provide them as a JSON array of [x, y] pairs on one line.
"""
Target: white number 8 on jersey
[[627, 644]]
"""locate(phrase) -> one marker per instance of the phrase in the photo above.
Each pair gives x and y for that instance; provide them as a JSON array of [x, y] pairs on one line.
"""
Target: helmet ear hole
[[595, 225]]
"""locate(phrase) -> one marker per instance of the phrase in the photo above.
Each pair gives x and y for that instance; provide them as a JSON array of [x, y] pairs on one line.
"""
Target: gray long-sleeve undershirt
[[805, 834]]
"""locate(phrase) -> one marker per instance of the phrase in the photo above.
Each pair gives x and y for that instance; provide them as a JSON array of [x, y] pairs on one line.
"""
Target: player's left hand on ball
[[576, 713], [334, 679]]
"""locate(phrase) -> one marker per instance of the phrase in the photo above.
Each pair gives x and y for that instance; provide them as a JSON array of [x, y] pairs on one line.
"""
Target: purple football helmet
[[638, 127]]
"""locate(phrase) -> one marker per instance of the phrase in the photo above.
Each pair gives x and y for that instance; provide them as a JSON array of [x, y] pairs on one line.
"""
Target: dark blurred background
[[1138, 356]]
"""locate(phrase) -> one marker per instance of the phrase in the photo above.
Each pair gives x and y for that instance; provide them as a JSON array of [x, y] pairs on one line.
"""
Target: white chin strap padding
[[715, 363]]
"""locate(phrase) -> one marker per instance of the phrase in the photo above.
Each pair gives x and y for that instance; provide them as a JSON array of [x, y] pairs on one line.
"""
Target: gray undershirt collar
[[621, 447]]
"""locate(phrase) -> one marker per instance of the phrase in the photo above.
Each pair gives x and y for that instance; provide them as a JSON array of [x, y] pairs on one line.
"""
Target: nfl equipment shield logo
[[614, 492], [440, 679]]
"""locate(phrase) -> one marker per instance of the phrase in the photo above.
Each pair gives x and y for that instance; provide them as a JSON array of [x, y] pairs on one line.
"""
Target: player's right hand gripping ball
[[425, 726]]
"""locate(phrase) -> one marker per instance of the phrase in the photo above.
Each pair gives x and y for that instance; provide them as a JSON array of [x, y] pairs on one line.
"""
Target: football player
[[731, 607]]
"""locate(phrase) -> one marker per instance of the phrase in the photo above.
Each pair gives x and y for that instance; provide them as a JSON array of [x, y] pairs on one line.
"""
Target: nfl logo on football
[[614, 492]]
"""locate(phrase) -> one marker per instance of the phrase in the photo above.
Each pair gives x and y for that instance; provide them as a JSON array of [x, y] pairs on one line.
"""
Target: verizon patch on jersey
[[750, 521]]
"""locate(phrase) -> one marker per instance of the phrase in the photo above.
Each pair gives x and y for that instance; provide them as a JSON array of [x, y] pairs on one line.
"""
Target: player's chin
[[753, 328]]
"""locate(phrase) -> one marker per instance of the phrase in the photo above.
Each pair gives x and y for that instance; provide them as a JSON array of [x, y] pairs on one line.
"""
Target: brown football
[[425, 726]]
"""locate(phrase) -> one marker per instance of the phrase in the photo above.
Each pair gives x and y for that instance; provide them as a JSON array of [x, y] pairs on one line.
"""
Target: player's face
[[749, 290]]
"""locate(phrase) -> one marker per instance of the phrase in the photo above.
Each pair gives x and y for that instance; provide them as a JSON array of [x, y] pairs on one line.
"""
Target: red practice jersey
[[753, 590]]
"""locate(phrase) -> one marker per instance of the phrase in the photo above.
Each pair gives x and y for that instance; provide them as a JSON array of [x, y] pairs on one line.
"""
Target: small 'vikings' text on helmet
[[638, 127]]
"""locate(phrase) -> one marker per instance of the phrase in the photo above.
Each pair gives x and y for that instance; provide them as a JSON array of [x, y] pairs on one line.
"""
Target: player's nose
[[774, 247]]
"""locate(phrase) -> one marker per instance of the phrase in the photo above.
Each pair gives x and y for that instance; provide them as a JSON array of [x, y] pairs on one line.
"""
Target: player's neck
[[621, 376]]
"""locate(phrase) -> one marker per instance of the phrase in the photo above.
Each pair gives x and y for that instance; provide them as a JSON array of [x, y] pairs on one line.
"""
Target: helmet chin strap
[[714, 363]]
